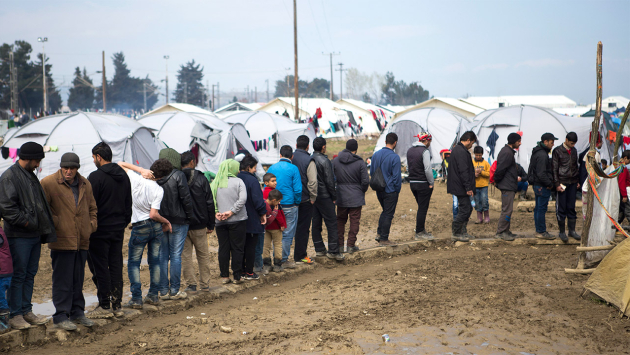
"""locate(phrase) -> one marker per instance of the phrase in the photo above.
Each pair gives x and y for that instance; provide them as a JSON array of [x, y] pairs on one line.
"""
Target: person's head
[[274, 198], [571, 139], [102, 154], [172, 156], [514, 140], [70, 164], [161, 168], [249, 164], [468, 139], [286, 152], [478, 153], [352, 145], [189, 161], [31, 154], [604, 163], [319, 145], [425, 138], [548, 140], [391, 139], [302, 142], [625, 157], [270, 180]]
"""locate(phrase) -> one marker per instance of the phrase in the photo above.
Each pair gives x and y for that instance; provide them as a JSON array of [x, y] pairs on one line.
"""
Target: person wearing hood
[[112, 192], [177, 209], [352, 183], [566, 166], [541, 178], [421, 181], [506, 179]]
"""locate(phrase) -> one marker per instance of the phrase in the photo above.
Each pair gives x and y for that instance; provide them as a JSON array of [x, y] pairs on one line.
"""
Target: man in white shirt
[[146, 227]]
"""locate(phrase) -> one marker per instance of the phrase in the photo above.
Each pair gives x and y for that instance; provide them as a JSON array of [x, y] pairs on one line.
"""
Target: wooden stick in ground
[[591, 155], [620, 134]]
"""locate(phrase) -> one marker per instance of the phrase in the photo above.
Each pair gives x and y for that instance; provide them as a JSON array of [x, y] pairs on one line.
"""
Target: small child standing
[[6, 272], [482, 179], [276, 223]]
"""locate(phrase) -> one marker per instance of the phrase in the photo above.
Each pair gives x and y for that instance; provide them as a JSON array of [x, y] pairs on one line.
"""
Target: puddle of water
[[47, 308]]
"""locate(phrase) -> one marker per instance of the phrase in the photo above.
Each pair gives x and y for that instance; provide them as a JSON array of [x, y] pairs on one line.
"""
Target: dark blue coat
[[255, 204]]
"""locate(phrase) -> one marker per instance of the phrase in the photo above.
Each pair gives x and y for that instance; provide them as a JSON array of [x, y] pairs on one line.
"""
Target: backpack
[[377, 181], [493, 168]]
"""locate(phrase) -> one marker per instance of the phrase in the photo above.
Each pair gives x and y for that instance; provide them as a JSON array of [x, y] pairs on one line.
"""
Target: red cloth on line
[[624, 181], [280, 220]]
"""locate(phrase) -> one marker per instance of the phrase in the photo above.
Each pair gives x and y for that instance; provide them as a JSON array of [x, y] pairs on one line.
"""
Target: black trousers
[[67, 284], [463, 215], [302, 230], [422, 193], [388, 202], [105, 260], [231, 243], [249, 254], [565, 204], [324, 209]]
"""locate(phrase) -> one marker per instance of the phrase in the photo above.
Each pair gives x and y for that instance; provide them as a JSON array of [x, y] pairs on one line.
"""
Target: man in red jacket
[[624, 182]]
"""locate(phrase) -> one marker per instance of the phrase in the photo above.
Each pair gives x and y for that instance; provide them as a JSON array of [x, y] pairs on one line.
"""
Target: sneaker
[[321, 253], [330, 255], [306, 260], [18, 322], [505, 236], [385, 243], [266, 269], [238, 281], [339, 257], [180, 295], [166, 297], [545, 235], [134, 304], [226, 280], [424, 236], [289, 265], [152, 299], [252, 276], [118, 312], [512, 234], [460, 238], [192, 289], [66, 325], [278, 268], [34, 319], [205, 289], [378, 237], [352, 250], [100, 313], [84, 321]]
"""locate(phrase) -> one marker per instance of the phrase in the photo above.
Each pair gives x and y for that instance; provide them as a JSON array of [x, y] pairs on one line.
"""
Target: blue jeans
[[542, 200], [291, 215], [522, 186], [171, 248], [25, 253], [455, 208], [148, 234], [5, 282], [481, 199], [258, 260]]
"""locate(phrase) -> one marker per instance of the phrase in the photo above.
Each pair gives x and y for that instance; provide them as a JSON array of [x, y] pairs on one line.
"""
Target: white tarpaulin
[[443, 125], [271, 132], [79, 132]]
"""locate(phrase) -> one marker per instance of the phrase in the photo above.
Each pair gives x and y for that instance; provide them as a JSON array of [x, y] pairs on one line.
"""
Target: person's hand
[[430, 186], [208, 231], [219, 216], [578, 186], [166, 227], [469, 193], [625, 199], [281, 229], [130, 227], [519, 179], [334, 202], [227, 215], [263, 219], [147, 174], [312, 202], [559, 189]]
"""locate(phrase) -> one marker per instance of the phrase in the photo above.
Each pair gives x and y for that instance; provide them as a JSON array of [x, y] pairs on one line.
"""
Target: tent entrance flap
[[405, 141], [207, 138]]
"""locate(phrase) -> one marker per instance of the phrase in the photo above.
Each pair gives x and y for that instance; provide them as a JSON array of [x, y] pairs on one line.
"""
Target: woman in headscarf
[[230, 196]]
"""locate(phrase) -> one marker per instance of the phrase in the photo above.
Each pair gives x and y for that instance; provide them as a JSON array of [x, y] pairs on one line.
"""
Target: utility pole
[[267, 81], [185, 92], [295, 78], [218, 95], [166, 57], [332, 95], [104, 86], [44, 40], [213, 85], [13, 83], [341, 70]]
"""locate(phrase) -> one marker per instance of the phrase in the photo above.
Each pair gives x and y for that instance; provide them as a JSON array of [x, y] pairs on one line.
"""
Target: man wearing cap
[[74, 213], [566, 169], [308, 176], [421, 181], [352, 183], [28, 223], [541, 177], [506, 179]]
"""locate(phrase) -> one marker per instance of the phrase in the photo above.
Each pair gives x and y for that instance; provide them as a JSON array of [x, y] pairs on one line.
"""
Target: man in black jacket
[[201, 224], [112, 193], [308, 176], [541, 178], [461, 183], [506, 179], [177, 208], [352, 183], [566, 169], [28, 223], [324, 207]]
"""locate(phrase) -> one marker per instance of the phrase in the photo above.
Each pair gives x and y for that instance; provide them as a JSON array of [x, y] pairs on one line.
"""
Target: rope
[[594, 179]]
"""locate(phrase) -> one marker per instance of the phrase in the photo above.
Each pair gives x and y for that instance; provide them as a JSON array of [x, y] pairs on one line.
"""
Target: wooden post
[[295, 76]]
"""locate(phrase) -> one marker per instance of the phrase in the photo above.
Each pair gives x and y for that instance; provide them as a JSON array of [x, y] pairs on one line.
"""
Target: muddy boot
[[562, 235], [523, 196], [479, 218], [486, 217], [572, 233]]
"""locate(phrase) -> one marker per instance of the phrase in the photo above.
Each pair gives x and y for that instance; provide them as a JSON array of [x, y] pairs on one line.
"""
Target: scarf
[[227, 169]]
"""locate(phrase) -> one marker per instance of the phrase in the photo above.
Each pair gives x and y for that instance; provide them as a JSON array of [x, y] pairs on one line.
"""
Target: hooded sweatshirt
[[112, 193], [352, 179]]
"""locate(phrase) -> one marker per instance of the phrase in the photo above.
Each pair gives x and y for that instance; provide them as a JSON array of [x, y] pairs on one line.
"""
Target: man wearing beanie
[[74, 211], [566, 171], [541, 178], [421, 181], [352, 183], [177, 208], [506, 179], [308, 176], [28, 222]]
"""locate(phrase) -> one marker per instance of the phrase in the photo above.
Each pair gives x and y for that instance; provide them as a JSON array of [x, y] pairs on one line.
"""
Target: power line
[[316, 27], [327, 27], [300, 37]]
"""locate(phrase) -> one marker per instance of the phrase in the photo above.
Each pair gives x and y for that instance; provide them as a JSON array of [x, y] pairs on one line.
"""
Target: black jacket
[[582, 172], [506, 175], [325, 177], [255, 204], [112, 193], [461, 172], [540, 173], [352, 179], [566, 167], [23, 206], [176, 205], [202, 200]]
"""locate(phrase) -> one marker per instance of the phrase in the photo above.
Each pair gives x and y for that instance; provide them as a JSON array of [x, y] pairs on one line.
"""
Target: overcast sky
[[453, 48]]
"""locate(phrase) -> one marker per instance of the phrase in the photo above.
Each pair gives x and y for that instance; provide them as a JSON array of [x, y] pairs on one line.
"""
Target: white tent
[[270, 132], [444, 126], [533, 122], [79, 132], [215, 139]]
